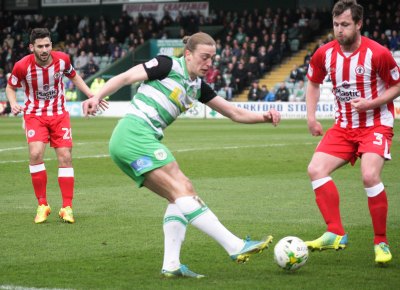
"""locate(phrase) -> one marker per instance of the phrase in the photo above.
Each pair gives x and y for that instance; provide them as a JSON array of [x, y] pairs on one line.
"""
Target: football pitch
[[253, 177]]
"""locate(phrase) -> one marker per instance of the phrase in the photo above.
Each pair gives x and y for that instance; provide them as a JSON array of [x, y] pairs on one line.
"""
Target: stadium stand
[[258, 44]]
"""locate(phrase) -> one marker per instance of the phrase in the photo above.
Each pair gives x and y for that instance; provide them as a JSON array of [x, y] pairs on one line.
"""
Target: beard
[[347, 41], [44, 57]]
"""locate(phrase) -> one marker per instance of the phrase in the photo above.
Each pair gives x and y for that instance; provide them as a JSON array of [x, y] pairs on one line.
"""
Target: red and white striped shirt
[[366, 73], [43, 86]]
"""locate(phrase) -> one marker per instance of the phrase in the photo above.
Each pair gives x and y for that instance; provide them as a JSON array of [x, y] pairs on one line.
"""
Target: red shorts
[[56, 129], [349, 144]]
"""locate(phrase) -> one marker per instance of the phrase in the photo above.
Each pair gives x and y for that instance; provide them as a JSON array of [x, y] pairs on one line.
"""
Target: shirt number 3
[[379, 139]]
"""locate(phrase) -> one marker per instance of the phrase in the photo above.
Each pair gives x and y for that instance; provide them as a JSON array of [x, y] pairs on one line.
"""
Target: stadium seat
[[326, 92], [294, 45]]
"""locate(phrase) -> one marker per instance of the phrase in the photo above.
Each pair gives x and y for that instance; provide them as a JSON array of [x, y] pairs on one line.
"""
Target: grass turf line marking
[[26, 147], [12, 149], [177, 151], [11, 287]]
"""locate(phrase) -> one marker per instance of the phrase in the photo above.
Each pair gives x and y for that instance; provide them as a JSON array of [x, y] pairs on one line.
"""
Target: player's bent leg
[[250, 247], [42, 213], [328, 241], [181, 272]]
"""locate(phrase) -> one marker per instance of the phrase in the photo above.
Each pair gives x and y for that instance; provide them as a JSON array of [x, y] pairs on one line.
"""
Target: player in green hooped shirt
[[169, 87]]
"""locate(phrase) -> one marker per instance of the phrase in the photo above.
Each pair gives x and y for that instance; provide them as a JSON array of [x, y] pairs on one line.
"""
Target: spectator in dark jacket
[[282, 94], [255, 92]]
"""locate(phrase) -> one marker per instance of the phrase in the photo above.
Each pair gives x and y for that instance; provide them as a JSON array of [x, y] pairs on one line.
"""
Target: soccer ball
[[290, 253]]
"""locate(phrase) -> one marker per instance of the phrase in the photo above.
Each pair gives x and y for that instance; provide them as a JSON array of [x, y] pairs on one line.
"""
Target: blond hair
[[192, 41]]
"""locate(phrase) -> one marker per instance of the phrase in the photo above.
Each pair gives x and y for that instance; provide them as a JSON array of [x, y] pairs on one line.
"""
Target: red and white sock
[[327, 198], [66, 182], [39, 182], [378, 209]]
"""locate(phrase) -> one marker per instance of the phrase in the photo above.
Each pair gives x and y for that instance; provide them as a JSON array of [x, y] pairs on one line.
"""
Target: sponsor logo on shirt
[[46, 94], [344, 95], [142, 163], [346, 85]]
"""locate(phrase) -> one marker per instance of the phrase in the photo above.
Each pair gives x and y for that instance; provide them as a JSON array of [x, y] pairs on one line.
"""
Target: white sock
[[174, 234], [200, 216]]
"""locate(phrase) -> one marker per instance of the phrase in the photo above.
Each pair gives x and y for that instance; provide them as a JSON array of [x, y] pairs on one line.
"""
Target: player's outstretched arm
[[90, 106], [83, 87], [240, 115], [134, 74]]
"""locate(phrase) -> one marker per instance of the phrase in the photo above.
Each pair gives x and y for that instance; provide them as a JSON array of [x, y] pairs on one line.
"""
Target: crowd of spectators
[[381, 23], [250, 43]]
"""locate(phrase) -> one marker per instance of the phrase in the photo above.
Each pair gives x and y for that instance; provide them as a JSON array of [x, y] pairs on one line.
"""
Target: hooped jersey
[[168, 92], [43, 86], [366, 73]]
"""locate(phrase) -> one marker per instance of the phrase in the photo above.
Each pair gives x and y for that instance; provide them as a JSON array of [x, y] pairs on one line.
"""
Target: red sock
[[378, 208], [39, 182], [327, 198], [66, 182]]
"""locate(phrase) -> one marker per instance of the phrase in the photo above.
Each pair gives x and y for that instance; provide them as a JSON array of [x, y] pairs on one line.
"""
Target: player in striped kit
[[365, 80], [170, 86], [40, 75]]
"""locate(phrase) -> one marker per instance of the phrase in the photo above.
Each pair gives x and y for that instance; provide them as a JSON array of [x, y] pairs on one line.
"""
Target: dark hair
[[37, 33], [357, 11], [192, 41]]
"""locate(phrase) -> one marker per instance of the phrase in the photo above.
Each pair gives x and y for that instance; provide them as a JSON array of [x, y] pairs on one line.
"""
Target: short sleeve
[[206, 93], [316, 70], [387, 68], [158, 68], [16, 76]]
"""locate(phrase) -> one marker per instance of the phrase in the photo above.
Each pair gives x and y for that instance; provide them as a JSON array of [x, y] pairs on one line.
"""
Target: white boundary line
[[12, 287], [26, 147], [12, 149], [176, 151]]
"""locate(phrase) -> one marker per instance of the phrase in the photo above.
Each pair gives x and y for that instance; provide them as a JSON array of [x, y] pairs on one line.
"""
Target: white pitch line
[[12, 287], [12, 149], [51, 159], [177, 151], [26, 147]]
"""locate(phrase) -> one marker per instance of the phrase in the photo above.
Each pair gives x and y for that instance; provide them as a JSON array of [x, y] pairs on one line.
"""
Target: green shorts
[[135, 148]]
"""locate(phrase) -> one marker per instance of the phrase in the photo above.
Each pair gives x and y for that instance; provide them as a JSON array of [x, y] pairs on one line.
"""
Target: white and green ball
[[290, 253]]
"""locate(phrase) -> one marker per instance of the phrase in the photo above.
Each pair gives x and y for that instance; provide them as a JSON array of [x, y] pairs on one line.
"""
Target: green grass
[[254, 179]]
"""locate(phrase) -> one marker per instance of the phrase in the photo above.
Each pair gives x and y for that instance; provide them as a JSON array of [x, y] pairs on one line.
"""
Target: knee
[[36, 156], [188, 186], [370, 178], [65, 159], [313, 170]]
